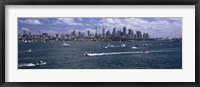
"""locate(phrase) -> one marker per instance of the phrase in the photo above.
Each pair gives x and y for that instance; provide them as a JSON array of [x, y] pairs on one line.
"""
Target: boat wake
[[26, 65], [120, 53], [27, 51]]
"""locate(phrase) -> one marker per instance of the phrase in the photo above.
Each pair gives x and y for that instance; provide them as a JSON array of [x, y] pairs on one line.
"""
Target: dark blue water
[[157, 55]]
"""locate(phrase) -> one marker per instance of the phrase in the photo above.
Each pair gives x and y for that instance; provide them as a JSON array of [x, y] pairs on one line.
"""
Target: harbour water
[[98, 55]]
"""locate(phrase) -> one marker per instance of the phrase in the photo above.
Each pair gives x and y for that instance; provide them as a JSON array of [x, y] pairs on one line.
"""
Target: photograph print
[[99, 43]]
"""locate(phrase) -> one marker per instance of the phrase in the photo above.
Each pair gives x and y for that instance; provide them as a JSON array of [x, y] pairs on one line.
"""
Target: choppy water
[[158, 55]]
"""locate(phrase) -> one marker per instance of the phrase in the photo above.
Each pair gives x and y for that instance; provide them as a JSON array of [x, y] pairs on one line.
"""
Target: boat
[[41, 63], [145, 45], [145, 51], [123, 45], [29, 50], [109, 45], [24, 41], [66, 45], [134, 47], [86, 53]]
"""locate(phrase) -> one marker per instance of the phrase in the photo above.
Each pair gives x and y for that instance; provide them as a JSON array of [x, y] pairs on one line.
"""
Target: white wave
[[135, 52], [112, 53], [26, 65]]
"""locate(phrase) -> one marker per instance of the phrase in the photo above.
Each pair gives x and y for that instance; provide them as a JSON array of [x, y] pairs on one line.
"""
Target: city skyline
[[155, 27]]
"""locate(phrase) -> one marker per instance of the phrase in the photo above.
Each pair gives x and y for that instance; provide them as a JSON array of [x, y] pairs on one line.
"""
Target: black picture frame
[[99, 2]]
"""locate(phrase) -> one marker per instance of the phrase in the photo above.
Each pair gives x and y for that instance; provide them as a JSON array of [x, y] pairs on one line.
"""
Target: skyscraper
[[114, 31], [79, 34], [124, 31], [146, 36], [108, 34], [73, 33], [103, 32], [96, 31], [88, 33], [118, 33], [130, 34], [139, 35]]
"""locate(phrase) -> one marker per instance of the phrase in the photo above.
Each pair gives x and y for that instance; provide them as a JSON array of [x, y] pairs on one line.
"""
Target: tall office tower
[[147, 36], [129, 33], [118, 33], [73, 33], [108, 34], [96, 31], [79, 34], [103, 32], [88, 33], [135, 37], [139, 35], [124, 31], [132, 35], [114, 32], [144, 36]]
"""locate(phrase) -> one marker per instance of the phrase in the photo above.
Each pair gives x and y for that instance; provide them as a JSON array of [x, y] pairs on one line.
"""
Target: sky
[[156, 27]]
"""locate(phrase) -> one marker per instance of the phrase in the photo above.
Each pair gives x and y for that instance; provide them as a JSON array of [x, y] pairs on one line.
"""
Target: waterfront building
[[118, 33], [124, 31], [73, 33], [108, 34], [88, 33], [103, 32], [114, 32], [139, 35], [96, 31], [130, 34]]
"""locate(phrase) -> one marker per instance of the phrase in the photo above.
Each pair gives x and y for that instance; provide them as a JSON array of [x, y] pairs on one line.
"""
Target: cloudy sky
[[156, 27]]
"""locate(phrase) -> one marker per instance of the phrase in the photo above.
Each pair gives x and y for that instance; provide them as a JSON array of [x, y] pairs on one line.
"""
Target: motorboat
[[134, 47], [145, 45], [29, 50], [24, 41], [86, 53], [145, 51], [123, 45], [41, 63], [66, 45], [109, 45]]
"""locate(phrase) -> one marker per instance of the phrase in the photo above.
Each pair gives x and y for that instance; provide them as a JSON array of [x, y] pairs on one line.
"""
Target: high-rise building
[[88, 33], [146, 36], [118, 33], [79, 34], [103, 32], [73, 33], [130, 34], [96, 31], [124, 31], [114, 32], [135, 37], [108, 34], [139, 35]]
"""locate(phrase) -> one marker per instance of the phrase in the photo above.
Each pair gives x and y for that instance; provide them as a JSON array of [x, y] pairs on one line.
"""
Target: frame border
[[98, 2]]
